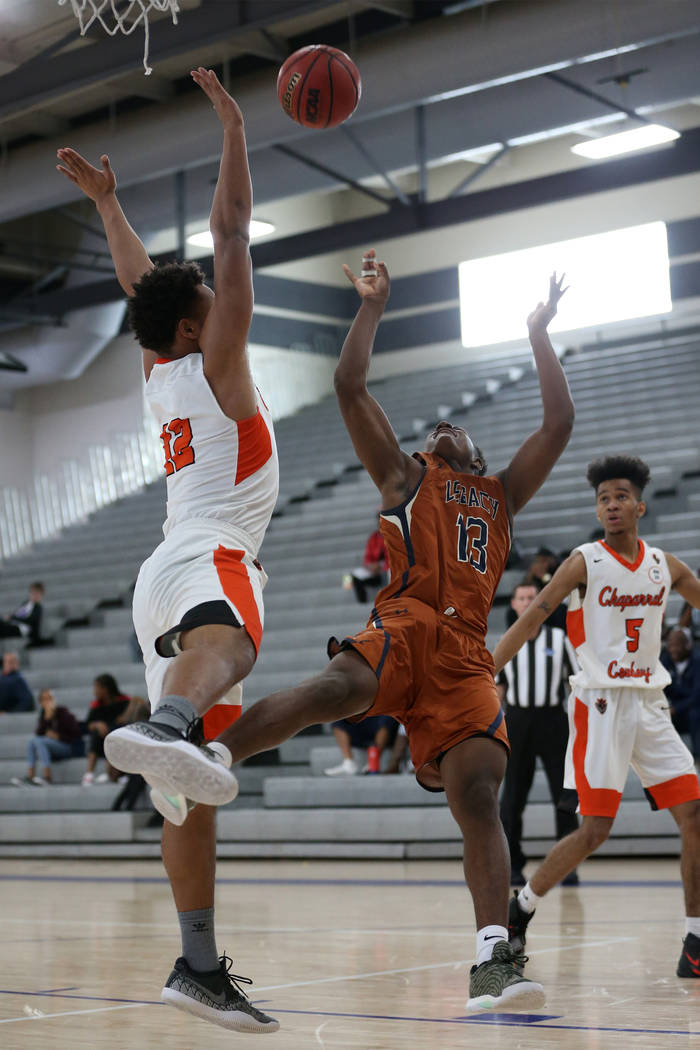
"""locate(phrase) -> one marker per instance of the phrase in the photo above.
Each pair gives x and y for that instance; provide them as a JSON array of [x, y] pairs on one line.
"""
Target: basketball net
[[105, 12]]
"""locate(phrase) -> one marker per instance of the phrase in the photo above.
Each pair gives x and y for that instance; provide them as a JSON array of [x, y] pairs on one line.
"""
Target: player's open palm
[[226, 108], [544, 312], [367, 285], [94, 182]]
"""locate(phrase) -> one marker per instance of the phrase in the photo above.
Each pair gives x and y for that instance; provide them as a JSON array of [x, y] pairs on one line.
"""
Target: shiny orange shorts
[[434, 677]]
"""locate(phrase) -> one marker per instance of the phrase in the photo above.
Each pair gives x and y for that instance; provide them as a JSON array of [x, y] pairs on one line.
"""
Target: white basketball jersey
[[216, 468], [616, 628]]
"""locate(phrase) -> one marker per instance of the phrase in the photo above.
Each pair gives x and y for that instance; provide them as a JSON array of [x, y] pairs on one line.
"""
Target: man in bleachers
[[15, 694], [377, 733], [25, 621], [372, 572], [682, 661]]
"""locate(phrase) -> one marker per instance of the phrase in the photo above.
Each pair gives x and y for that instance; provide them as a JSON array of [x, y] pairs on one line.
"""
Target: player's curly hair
[[632, 468], [160, 299]]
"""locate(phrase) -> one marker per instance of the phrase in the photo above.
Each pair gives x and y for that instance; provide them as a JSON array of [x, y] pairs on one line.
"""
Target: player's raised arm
[[225, 332], [131, 260], [570, 574], [391, 470], [684, 580], [534, 460]]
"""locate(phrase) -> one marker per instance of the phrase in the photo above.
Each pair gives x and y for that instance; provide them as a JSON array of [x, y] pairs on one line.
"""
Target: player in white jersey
[[198, 609], [618, 714]]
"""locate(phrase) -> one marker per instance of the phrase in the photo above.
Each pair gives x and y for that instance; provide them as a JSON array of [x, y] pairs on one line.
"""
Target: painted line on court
[[71, 1013], [392, 883], [530, 1021]]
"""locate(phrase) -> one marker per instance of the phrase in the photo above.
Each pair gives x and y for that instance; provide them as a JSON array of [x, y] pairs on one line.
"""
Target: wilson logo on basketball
[[287, 99], [601, 704]]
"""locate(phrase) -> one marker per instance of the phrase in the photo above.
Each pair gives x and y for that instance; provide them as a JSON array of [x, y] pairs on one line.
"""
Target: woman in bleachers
[[58, 736], [107, 708]]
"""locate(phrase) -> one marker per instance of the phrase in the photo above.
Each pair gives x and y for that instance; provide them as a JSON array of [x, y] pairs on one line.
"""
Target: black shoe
[[689, 962], [517, 924], [517, 878], [215, 996], [571, 879]]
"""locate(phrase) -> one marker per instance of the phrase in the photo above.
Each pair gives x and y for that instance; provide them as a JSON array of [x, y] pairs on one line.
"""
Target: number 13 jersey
[[616, 627], [216, 468], [448, 543]]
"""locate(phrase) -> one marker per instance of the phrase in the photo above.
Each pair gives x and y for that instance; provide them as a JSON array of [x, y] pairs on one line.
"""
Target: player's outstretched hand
[[94, 183], [544, 312], [226, 108], [368, 287]]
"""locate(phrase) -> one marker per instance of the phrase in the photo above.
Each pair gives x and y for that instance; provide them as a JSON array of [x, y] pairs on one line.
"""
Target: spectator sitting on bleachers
[[682, 661], [373, 571], [105, 711], [25, 622], [400, 760], [377, 731], [15, 694], [58, 736]]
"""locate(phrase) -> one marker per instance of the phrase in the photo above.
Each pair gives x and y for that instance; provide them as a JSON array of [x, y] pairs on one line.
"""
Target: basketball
[[319, 86]]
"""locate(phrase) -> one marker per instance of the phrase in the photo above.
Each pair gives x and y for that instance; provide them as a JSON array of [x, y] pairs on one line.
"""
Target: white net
[[133, 14]]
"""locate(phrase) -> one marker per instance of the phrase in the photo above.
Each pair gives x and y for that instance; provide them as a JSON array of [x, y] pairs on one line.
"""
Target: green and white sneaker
[[499, 983], [170, 803]]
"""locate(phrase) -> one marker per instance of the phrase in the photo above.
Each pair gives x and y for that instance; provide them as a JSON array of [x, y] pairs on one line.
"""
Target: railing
[[50, 504]]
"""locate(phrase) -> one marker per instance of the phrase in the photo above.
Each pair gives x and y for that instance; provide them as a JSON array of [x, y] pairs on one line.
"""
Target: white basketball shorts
[[613, 729], [196, 576]]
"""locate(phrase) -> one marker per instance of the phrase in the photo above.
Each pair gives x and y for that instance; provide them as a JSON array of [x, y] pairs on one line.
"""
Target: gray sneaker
[[500, 983], [216, 996], [164, 755]]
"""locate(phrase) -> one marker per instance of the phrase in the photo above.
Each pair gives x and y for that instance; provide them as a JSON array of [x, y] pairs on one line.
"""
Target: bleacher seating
[[635, 399]]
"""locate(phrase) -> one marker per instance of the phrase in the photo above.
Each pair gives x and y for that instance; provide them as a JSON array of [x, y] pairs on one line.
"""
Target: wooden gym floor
[[348, 956]]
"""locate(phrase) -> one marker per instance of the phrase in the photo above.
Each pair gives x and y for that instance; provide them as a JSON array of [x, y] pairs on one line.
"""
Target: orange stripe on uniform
[[237, 587], [218, 718], [593, 802], [254, 446], [575, 628], [674, 792]]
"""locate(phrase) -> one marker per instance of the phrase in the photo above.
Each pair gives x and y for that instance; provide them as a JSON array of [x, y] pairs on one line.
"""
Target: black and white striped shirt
[[537, 675]]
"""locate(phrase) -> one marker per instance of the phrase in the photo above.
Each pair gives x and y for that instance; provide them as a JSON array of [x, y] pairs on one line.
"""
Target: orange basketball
[[319, 86]]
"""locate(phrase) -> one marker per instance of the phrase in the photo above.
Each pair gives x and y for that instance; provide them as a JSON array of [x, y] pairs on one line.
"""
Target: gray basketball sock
[[198, 939], [174, 711]]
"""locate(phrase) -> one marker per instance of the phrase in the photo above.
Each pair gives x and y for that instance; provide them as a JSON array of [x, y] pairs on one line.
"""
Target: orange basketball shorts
[[434, 678]]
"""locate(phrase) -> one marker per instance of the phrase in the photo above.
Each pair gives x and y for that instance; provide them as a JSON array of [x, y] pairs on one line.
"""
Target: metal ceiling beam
[[337, 175], [41, 80], [363, 151], [482, 168], [581, 89], [682, 158]]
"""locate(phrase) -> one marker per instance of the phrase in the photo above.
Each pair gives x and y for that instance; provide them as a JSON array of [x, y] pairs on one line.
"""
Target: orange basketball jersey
[[448, 542]]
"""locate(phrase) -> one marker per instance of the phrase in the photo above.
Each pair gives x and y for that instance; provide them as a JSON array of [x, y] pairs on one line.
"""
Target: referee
[[534, 686]]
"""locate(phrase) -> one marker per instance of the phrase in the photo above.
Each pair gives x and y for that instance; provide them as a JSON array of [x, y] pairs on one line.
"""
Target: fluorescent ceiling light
[[204, 239], [625, 141], [614, 276]]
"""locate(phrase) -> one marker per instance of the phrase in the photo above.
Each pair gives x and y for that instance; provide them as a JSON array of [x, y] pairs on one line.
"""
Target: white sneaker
[[88, 780], [171, 804], [347, 768], [102, 779]]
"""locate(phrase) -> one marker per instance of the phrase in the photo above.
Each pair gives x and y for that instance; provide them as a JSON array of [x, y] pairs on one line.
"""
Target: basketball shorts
[[613, 729], [434, 678], [193, 578]]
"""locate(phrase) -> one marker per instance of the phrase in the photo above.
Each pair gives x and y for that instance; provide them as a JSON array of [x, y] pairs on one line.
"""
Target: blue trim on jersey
[[495, 724], [387, 641]]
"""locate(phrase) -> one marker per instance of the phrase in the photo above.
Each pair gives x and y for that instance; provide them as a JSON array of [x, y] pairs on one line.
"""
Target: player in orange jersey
[[422, 657], [618, 713]]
